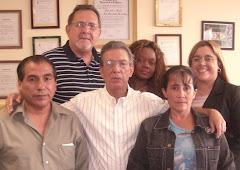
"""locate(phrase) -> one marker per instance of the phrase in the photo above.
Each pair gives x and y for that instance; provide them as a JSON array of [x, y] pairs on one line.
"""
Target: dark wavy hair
[[155, 83]]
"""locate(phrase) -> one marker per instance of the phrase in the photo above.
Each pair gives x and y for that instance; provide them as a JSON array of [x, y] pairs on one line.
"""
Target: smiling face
[[116, 69], [38, 85], [83, 39], [179, 93], [145, 64], [206, 71]]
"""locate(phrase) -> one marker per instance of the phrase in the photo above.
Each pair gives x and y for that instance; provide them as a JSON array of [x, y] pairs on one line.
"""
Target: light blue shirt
[[184, 151]]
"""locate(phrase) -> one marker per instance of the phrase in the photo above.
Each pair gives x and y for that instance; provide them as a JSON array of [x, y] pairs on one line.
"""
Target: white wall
[[194, 12]]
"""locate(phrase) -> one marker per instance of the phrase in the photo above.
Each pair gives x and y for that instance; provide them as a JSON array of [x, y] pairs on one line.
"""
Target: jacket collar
[[218, 87], [163, 121]]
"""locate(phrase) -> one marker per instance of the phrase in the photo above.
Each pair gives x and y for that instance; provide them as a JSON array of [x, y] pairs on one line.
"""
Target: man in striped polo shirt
[[77, 62]]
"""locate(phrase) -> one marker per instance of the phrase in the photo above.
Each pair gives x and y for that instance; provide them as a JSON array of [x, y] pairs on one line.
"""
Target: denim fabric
[[154, 148]]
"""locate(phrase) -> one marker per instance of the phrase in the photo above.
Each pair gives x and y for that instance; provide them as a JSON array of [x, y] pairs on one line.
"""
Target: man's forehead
[[116, 54], [38, 68], [79, 16]]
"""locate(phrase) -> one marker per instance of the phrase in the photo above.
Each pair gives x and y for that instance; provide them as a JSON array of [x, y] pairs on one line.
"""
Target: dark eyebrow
[[48, 75]]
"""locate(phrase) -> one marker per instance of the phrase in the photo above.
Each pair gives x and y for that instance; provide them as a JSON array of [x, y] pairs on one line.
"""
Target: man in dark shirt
[[77, 62]]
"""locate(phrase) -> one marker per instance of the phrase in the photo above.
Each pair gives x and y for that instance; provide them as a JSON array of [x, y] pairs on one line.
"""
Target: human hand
[[12, 100], [216, 122]]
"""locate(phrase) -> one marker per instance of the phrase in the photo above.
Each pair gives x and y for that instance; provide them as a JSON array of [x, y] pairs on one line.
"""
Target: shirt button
[[44, 144], [46, 162]]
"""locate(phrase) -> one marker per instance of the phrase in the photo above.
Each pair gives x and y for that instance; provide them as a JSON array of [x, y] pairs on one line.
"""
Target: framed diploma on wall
[[10, 29], [169, 13], [8, 78], [45, 43], [44, 14], [118, 20], [171, 45]]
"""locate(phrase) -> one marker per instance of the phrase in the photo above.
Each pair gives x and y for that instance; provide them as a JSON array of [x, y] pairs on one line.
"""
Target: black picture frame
[[45, 43], [220, 32]]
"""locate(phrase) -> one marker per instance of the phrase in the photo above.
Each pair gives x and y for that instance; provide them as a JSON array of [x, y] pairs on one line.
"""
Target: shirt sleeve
[[81, 151]]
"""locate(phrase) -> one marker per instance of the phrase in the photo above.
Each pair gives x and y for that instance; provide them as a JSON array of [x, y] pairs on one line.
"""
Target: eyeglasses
[[81, 25], [111, 63], [207, 59]]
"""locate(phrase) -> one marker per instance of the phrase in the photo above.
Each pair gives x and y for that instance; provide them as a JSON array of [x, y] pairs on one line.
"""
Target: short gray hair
[[116, 45], [84, 7]]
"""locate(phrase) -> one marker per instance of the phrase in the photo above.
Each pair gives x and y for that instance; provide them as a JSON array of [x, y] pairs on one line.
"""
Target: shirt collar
[[112, 99], [56, 111], [72, 57]]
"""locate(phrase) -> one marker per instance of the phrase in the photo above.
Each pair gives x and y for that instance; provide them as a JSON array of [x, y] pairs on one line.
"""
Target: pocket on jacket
[[66, 157], [156, 156], [213, 156]]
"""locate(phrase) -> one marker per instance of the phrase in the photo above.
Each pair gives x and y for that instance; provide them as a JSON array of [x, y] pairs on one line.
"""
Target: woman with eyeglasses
[[215, 91], [149, 67]]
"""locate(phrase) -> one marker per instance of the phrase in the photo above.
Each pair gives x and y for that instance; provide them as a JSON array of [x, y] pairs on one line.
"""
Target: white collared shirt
[[111, 127]]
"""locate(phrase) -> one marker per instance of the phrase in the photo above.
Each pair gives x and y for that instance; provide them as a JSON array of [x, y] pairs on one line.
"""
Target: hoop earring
[[219, 70]]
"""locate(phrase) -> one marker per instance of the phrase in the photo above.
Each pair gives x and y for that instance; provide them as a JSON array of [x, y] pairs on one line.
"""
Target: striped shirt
[[111, 127], [73, 75]]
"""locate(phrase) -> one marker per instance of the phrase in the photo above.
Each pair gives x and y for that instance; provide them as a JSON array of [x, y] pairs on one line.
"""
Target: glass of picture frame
[[171, 45], [10, 29], [45, 43], [44, 14], [169, 13], [8, 78], [121, 27], [220, 32]]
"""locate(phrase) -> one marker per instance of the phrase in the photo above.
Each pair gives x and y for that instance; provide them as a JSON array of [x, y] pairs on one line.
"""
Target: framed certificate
[[10, 29], [8, 78], [45, 43], [220, 32], [171, 45], [44, 14], [118, 20], [169, 13]]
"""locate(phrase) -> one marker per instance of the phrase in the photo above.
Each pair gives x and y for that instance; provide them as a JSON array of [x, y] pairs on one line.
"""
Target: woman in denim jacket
[[180, 138]]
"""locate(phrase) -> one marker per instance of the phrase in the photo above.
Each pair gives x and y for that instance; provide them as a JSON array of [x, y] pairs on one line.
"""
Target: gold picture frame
[[169, 13], [119, 20]]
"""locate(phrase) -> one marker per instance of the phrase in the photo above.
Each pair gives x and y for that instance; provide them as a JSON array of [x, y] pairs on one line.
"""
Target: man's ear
[[101, 71], [164, 93], [19, 86], [67, 28]]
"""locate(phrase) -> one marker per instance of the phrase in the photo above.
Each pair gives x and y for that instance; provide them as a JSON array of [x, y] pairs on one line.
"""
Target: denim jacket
[[154, 148]]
